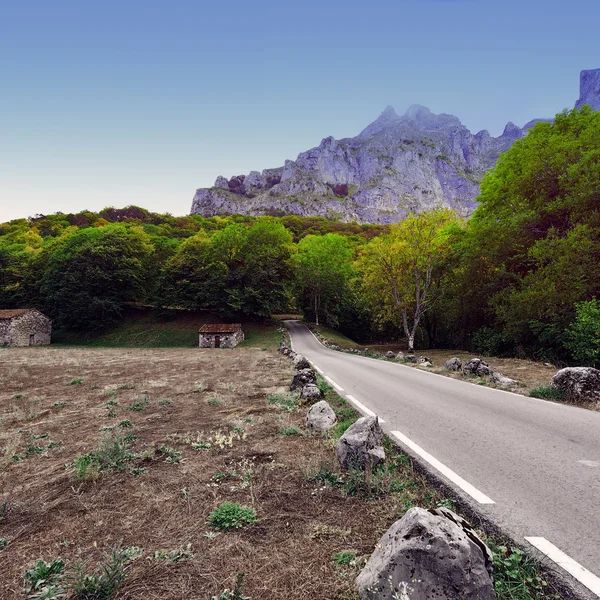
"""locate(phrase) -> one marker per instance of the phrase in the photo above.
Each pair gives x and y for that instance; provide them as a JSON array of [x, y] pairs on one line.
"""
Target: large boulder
[[426, 555], [478, 367], [453, 364], [411, 358], [320, 417], [303, 377], [579, 384], [502, 380], [361, 445], [300, 362], [425, 362], [389, 354], [400, 356], [310, 391]]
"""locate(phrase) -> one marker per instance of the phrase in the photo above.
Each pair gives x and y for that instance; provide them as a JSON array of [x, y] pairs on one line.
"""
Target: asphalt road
[[538, 461]]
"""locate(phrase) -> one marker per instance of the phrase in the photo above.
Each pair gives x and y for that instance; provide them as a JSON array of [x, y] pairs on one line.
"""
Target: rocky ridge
[[397, 165]]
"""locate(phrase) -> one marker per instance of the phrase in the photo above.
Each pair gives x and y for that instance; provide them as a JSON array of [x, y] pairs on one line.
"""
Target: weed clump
[[547, 392], [232, 515], [235, 593]]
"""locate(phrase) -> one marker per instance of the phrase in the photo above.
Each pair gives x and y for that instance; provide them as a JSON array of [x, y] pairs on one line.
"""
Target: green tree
[[399, 270], [583, 336], [530, 251], [324, 267], [92, 275]]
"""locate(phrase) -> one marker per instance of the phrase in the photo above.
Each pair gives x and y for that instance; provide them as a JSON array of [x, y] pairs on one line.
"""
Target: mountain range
[[397, 165]]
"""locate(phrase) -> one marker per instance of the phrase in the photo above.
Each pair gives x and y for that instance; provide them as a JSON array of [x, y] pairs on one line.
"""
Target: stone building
[[219, 335], [24, 327]]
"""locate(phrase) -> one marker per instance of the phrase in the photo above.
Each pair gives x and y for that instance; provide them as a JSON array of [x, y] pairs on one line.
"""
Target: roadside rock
[[400, 356], [426, 555], [410, 358], [425, 362], [502, 380], [579, 384], [303, 377], [478, 367], [389, 354], [320, 416], [310, 392], [361, 444], [300, 362], [453, 364]]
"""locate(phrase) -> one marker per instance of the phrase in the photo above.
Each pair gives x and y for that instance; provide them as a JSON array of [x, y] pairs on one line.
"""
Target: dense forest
[[520, 277]]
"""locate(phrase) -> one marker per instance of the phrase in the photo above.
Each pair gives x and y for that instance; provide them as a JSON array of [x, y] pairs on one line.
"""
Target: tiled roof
[[14, 312], [220, 327]]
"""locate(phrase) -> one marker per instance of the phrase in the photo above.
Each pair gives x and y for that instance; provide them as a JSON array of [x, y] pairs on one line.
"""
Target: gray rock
[[303, 377], [400, 356], [478, 367], [222, 183], [453, 364], [310, 392], [589, 89], [502, 380], [300, 362], [579, 384], [361, 445], [426, 556], [389, 354], [320, 416], [424, 359], [411, 358]]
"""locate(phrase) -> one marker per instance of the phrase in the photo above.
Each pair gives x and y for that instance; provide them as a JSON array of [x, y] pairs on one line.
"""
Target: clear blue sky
[[140, 102]]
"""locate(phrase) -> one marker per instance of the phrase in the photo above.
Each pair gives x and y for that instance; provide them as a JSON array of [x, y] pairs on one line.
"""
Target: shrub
[[488, 342], [232, 515], [583, 336], [547, 392]]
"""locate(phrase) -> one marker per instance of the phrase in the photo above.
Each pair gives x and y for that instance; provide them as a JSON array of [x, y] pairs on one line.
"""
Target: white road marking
[[589, 463], [334, 384], [587, 578], [465, 486], [363, 408], [317, 369]]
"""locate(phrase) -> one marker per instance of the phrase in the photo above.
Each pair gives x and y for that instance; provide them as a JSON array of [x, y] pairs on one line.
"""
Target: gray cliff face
[[399, 164], [589, 89]]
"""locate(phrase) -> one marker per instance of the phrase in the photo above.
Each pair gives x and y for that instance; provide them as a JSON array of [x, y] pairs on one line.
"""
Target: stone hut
[[24, 327], [219, 335]]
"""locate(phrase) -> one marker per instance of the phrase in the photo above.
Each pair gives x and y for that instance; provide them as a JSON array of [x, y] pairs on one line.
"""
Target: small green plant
[[284, 401], [517, 575], [200, 445], [4, 508], [199, 388], [165, 402], [104, 582], [344, 558], [323, 385], [235, 593], [60, 404], [216, 401], [171, 455], [547, 392], [85, 467], [17, 396], [325, 477], [174, 556], [3, 543], [53, 444], [76, 381], [139, 404], [110, 393], [44, 580], [125, 386], [111, 403], [125, 424], [289, 431], [232, 515], [139, 471], [211, 535]]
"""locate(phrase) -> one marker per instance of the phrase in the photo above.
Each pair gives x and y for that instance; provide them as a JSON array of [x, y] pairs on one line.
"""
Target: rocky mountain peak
[[589, 89]]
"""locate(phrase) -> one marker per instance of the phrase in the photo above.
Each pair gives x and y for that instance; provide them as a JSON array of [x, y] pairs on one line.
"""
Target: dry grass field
[[102, 447]]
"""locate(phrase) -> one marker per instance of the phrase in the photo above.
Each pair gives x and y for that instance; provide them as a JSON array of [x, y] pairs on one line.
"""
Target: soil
[[184, 396]]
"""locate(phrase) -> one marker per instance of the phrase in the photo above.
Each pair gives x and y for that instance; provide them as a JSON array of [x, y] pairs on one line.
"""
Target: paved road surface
[[538, 461]]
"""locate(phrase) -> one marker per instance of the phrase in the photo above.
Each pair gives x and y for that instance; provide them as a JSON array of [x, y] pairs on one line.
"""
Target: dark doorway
[[31, 339], [217, 341]]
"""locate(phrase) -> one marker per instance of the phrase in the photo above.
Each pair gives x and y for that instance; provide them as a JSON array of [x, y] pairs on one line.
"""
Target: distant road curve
[[531, 466]]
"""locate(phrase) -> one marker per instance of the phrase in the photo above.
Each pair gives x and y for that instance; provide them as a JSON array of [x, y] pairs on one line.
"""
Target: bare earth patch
[[201, 432]]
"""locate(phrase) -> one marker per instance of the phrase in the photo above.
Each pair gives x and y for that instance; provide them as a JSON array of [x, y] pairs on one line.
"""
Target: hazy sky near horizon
[[143, 101]]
